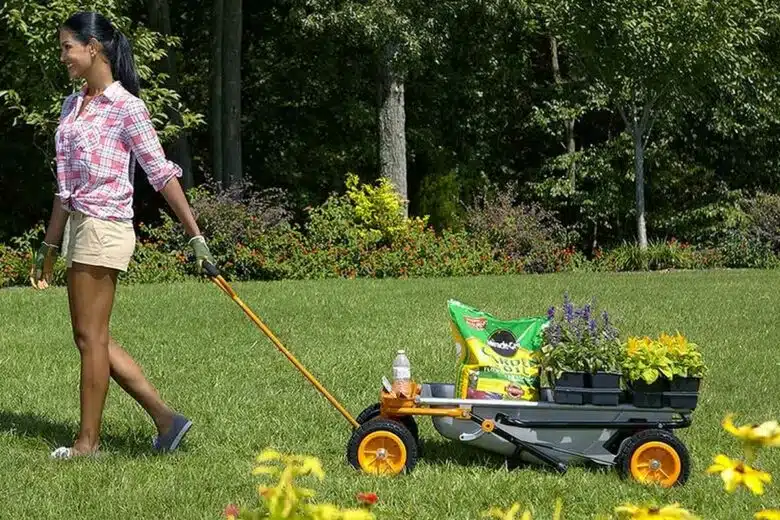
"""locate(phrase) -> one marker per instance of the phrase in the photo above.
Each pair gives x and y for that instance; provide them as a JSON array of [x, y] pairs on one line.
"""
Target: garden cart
[[639, 442]]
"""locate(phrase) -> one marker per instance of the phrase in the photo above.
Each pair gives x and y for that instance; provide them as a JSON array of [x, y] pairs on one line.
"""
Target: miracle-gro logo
[[503, 343]]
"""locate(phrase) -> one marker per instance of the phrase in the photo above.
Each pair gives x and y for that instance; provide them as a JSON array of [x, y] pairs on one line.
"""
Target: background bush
[[363, 233]]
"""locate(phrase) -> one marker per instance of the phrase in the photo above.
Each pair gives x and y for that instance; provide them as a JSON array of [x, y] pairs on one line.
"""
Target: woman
[[103, 130]]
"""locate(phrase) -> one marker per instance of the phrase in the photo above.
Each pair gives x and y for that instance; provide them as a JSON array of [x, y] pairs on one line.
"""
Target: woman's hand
[[202, 253], [42, 269], [176, 199]]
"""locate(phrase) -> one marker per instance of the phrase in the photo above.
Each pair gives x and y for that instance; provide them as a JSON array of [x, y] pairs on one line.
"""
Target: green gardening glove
[[202, 253]]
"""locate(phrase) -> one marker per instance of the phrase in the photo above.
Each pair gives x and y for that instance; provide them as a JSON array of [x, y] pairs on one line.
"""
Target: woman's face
[[76, 56]]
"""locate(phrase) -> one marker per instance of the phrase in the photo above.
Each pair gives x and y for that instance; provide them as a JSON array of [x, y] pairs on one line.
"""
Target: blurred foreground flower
[[368, 499], [512, 512], [670, 512], [231, 512], [286, 499], [768, 514], [509, 514], [754, 436], [735, 472]]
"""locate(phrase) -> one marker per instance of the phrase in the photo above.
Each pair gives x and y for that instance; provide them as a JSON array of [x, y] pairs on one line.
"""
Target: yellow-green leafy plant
[[684, 355], [287, 499], [379, 209], [646, 359]]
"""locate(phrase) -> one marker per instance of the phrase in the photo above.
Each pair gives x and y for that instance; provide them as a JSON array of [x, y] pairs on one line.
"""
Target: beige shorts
[[95, 241]]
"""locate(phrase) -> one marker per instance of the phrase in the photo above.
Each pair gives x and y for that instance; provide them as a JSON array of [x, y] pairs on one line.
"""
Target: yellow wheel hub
[[656, 462], [382, 453]]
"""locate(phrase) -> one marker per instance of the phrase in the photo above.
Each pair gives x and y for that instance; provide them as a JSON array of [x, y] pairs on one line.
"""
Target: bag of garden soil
[[495, 357]]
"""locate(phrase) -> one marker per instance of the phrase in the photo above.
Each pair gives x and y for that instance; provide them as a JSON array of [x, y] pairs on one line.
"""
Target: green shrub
[[153, 264], [744, 249], [763, 219], [440, 200], [658, 256], [518, 231], [16, 261], [365, 214], [228, 217], [363, 233]]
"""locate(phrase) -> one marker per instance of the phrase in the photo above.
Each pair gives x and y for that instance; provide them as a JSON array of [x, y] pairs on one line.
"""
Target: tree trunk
[[216, 93], [179, 150], [231, 144], [571, 147], [639, 175], [392, 124], [571, 144]]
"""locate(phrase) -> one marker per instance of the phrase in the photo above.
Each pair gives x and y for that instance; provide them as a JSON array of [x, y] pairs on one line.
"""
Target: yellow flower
[[324, 512], [676, 343], [356, 514], [670, 512], [313, 466], [558, 509], [509, 514], [331, 512], [265, 470], [765, 434], [768, 514], [635, 344], [734, 473], [768, 433], [269, 454]]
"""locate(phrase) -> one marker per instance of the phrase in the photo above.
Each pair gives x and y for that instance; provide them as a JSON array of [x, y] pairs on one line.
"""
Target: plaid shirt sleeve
[[145, 145]]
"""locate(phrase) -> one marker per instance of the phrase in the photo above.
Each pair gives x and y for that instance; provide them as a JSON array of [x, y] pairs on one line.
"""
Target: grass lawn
[[212, 363]]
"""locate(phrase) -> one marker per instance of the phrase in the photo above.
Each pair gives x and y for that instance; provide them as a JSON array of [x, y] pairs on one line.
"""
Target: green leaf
[[649, 375]]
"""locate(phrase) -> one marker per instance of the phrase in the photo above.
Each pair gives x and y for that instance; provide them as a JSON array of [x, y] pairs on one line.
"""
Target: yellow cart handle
[[217, 278]]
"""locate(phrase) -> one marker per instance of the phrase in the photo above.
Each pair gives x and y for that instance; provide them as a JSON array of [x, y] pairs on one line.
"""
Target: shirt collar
[[111, 92]]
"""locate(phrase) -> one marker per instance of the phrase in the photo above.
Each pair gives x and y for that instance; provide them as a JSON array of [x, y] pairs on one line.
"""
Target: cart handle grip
[[210, 269]]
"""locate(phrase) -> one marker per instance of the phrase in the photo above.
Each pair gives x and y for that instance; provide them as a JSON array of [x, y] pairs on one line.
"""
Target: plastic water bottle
[[402, 375]]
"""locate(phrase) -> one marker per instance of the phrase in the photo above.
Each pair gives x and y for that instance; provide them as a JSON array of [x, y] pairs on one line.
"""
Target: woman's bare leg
[[129, 376], [91, 292], [91, 299]]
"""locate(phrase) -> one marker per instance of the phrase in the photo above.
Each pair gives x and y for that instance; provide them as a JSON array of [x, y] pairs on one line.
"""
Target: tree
[[231, 91], [655, 58], [40, 82], [396, 32], [226, 91], [217, 73], [179, 149]]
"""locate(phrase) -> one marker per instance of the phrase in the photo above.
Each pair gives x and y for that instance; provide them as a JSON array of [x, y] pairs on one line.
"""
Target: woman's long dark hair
[[86, 25]]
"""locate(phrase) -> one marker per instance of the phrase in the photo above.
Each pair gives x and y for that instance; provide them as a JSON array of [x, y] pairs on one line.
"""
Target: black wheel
[[382, 447], [372, 412], [654, 457]]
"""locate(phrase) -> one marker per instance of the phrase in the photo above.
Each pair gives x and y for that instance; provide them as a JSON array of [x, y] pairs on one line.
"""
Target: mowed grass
[[212, 363]]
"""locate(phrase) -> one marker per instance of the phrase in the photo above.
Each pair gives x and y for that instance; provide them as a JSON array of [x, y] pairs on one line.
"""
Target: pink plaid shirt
[[94, 151]]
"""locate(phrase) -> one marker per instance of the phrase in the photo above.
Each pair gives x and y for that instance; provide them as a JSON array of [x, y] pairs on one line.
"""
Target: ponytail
[[88, 25], [123, 64]]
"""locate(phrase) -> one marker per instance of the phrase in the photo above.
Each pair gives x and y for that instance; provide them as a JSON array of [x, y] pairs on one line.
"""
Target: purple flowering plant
[[580, 339]]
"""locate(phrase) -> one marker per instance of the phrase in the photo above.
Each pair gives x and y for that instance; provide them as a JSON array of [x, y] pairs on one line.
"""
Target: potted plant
[[581, 351], [688, 369], [604, 360], [687, 362], [648, 370]]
